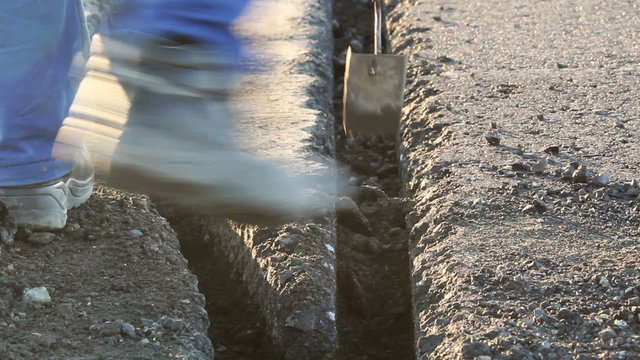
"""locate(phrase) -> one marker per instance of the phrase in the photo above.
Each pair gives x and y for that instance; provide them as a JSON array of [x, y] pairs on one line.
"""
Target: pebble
[[128, 330], [619, 124], [607, 334], [602, 179], [107, 329], [553, 150], [541, 206], [492, 138], [620, 323], [135, 233], [173, 325], [567, 172], [604, 282], [36, 295], [540, 166], [349, 215], [580, 175]]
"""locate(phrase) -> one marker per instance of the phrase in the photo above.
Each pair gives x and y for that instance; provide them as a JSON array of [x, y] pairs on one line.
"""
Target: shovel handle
[[377, 27]]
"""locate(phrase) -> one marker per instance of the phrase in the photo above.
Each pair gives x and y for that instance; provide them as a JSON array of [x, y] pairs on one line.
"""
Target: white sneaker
[[44, 206]]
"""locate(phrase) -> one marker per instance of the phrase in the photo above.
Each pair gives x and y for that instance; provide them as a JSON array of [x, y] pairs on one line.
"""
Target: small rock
[[349, 215], [173, 325], [135, 233], [144, 342], [41, 238], [604, 282], [287, 241], [530, 209], [553, 150], [541, 206], [540, 166], [36, 295], [370, 193], [634, 300], [561, 66], [607, 334], [619, 124], [580, 175], [539, 117], [492, 138], [602, 179], [127, 329], [539, 313], [475, 349], [567, 172], [621, 324]]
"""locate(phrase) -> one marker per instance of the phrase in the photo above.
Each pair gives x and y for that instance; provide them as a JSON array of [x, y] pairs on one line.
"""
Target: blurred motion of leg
[[39, 42], [153, 110]]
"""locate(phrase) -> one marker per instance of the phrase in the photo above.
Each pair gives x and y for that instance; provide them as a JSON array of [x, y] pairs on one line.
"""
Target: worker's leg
[[39, 41], [164, 129]]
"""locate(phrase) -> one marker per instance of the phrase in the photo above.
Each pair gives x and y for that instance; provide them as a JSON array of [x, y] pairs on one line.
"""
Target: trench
[[238, 327], [374, 308]]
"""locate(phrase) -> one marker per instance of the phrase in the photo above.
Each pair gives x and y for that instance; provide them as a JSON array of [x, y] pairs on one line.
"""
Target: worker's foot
[[44, 206], [158, 122]]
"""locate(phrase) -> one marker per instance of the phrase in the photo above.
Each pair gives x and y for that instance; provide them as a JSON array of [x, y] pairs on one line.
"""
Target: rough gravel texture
[[117, 285], [513, 107]]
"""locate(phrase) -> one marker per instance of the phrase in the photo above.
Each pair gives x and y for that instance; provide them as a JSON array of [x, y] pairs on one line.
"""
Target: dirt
[[116, 262], [517, 252], [374, 298], [240, 331]]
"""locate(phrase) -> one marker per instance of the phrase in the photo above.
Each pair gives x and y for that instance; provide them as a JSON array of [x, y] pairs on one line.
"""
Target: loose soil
[[118, 285], [374, 298]]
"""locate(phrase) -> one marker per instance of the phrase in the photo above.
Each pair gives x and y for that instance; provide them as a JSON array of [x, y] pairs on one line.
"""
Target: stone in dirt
[[540, 166], [602, 179], [349, 215], [580, 175], [492, 138], [36, 295]]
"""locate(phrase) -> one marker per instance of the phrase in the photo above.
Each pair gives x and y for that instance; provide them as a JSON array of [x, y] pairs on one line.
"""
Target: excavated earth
[[520, 147], [503, 224]]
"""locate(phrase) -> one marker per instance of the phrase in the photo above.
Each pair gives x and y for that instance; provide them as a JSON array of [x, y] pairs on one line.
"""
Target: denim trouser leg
[[39, 41]]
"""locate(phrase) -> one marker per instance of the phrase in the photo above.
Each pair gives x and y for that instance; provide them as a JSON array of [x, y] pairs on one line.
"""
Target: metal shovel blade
[[373, 93]]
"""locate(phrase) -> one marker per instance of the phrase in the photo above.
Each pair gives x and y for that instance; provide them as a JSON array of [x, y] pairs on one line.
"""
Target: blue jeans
[[39, 40]]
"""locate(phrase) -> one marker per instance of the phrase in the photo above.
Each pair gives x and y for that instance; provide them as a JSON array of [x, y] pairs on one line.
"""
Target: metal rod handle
[[377, 27]]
